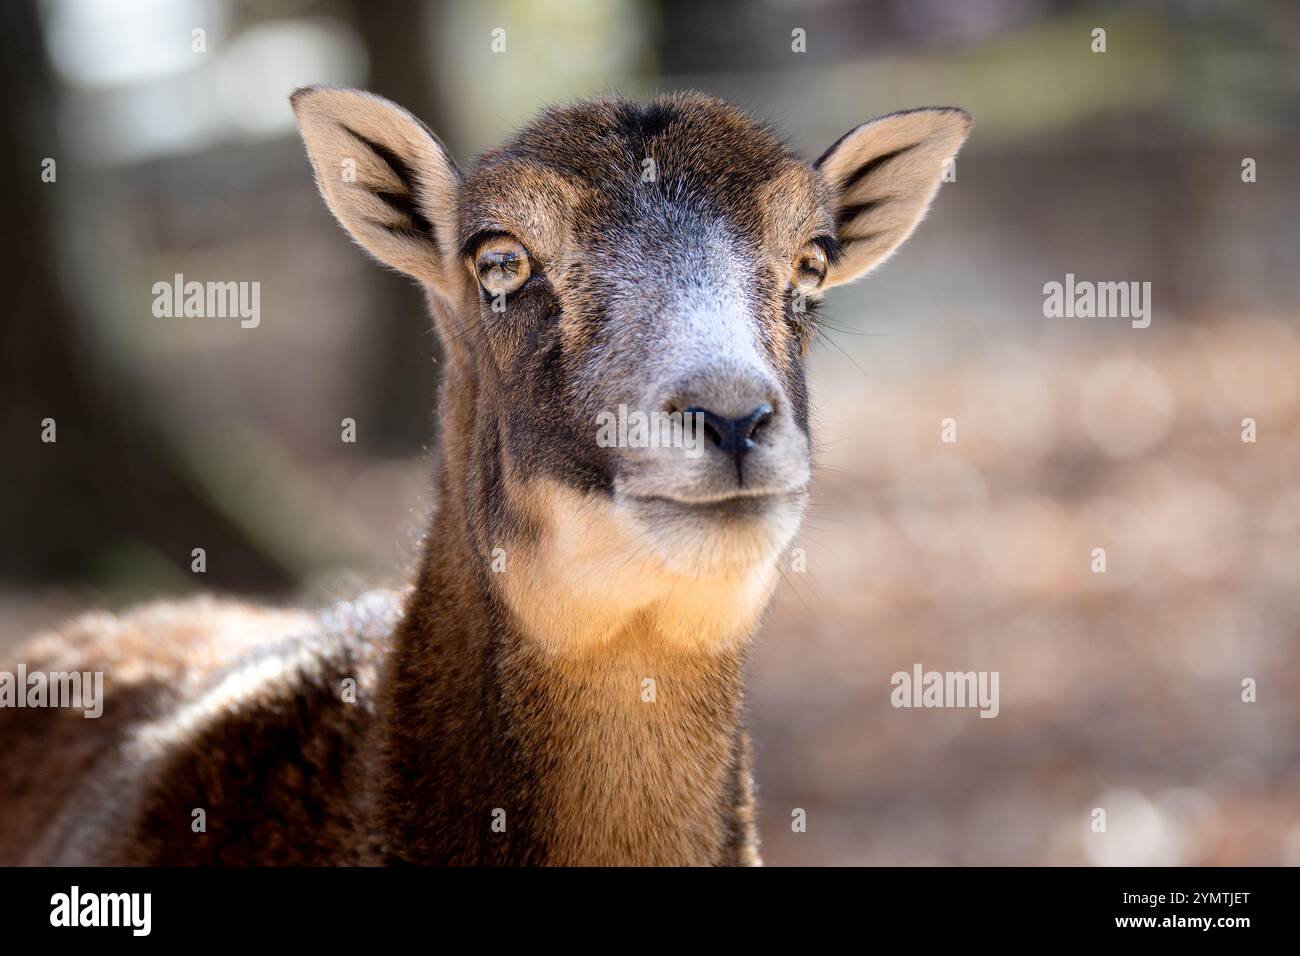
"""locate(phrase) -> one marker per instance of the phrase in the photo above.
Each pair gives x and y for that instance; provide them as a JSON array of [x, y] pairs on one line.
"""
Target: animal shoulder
[[228, 735]]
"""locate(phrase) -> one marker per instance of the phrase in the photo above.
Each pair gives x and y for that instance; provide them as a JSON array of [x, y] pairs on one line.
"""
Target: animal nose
[[733, 436]]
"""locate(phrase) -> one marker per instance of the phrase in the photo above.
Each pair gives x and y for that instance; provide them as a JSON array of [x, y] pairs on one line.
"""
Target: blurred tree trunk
[[109, 485], [403, 380]]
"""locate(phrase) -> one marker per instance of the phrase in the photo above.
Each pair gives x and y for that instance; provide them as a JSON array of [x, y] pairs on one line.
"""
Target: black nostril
[[733, 436], [757, 419]]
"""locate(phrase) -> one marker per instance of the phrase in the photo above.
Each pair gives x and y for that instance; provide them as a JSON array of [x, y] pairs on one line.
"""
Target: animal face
[[640, 265], [632, 291]]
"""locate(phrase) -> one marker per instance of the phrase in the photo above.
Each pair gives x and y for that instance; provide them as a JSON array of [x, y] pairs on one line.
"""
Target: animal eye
[[809, 269], [502, 265]]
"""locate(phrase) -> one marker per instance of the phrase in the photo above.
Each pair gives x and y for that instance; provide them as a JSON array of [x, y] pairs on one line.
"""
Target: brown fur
[[520, 692]]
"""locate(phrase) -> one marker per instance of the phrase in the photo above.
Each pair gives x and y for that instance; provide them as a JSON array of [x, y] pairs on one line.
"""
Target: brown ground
[[1119, 690]]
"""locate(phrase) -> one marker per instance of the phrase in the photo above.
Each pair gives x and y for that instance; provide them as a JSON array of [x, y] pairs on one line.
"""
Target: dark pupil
[[506, 262]]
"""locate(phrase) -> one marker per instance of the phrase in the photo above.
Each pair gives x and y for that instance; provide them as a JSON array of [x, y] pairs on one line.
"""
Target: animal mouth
[[740, 505], [715, 534]]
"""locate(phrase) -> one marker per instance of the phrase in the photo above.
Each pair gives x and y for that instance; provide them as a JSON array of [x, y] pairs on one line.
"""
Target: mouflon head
[[630, 292]]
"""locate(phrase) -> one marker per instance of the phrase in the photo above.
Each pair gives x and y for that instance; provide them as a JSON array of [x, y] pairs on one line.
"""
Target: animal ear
[[883, 175], [384, 176]]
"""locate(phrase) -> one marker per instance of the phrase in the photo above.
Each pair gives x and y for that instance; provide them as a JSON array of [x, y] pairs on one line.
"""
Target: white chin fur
[[694, 579], [735, 538]]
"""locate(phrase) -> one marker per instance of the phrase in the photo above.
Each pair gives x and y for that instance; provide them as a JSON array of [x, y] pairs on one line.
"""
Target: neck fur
[[525, 719]]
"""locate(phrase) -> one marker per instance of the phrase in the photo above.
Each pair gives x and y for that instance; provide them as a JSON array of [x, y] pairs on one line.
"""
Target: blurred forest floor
[[1120, 690]]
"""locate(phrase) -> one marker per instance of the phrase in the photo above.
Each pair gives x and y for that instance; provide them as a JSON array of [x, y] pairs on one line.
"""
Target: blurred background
[[1119, 690]]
